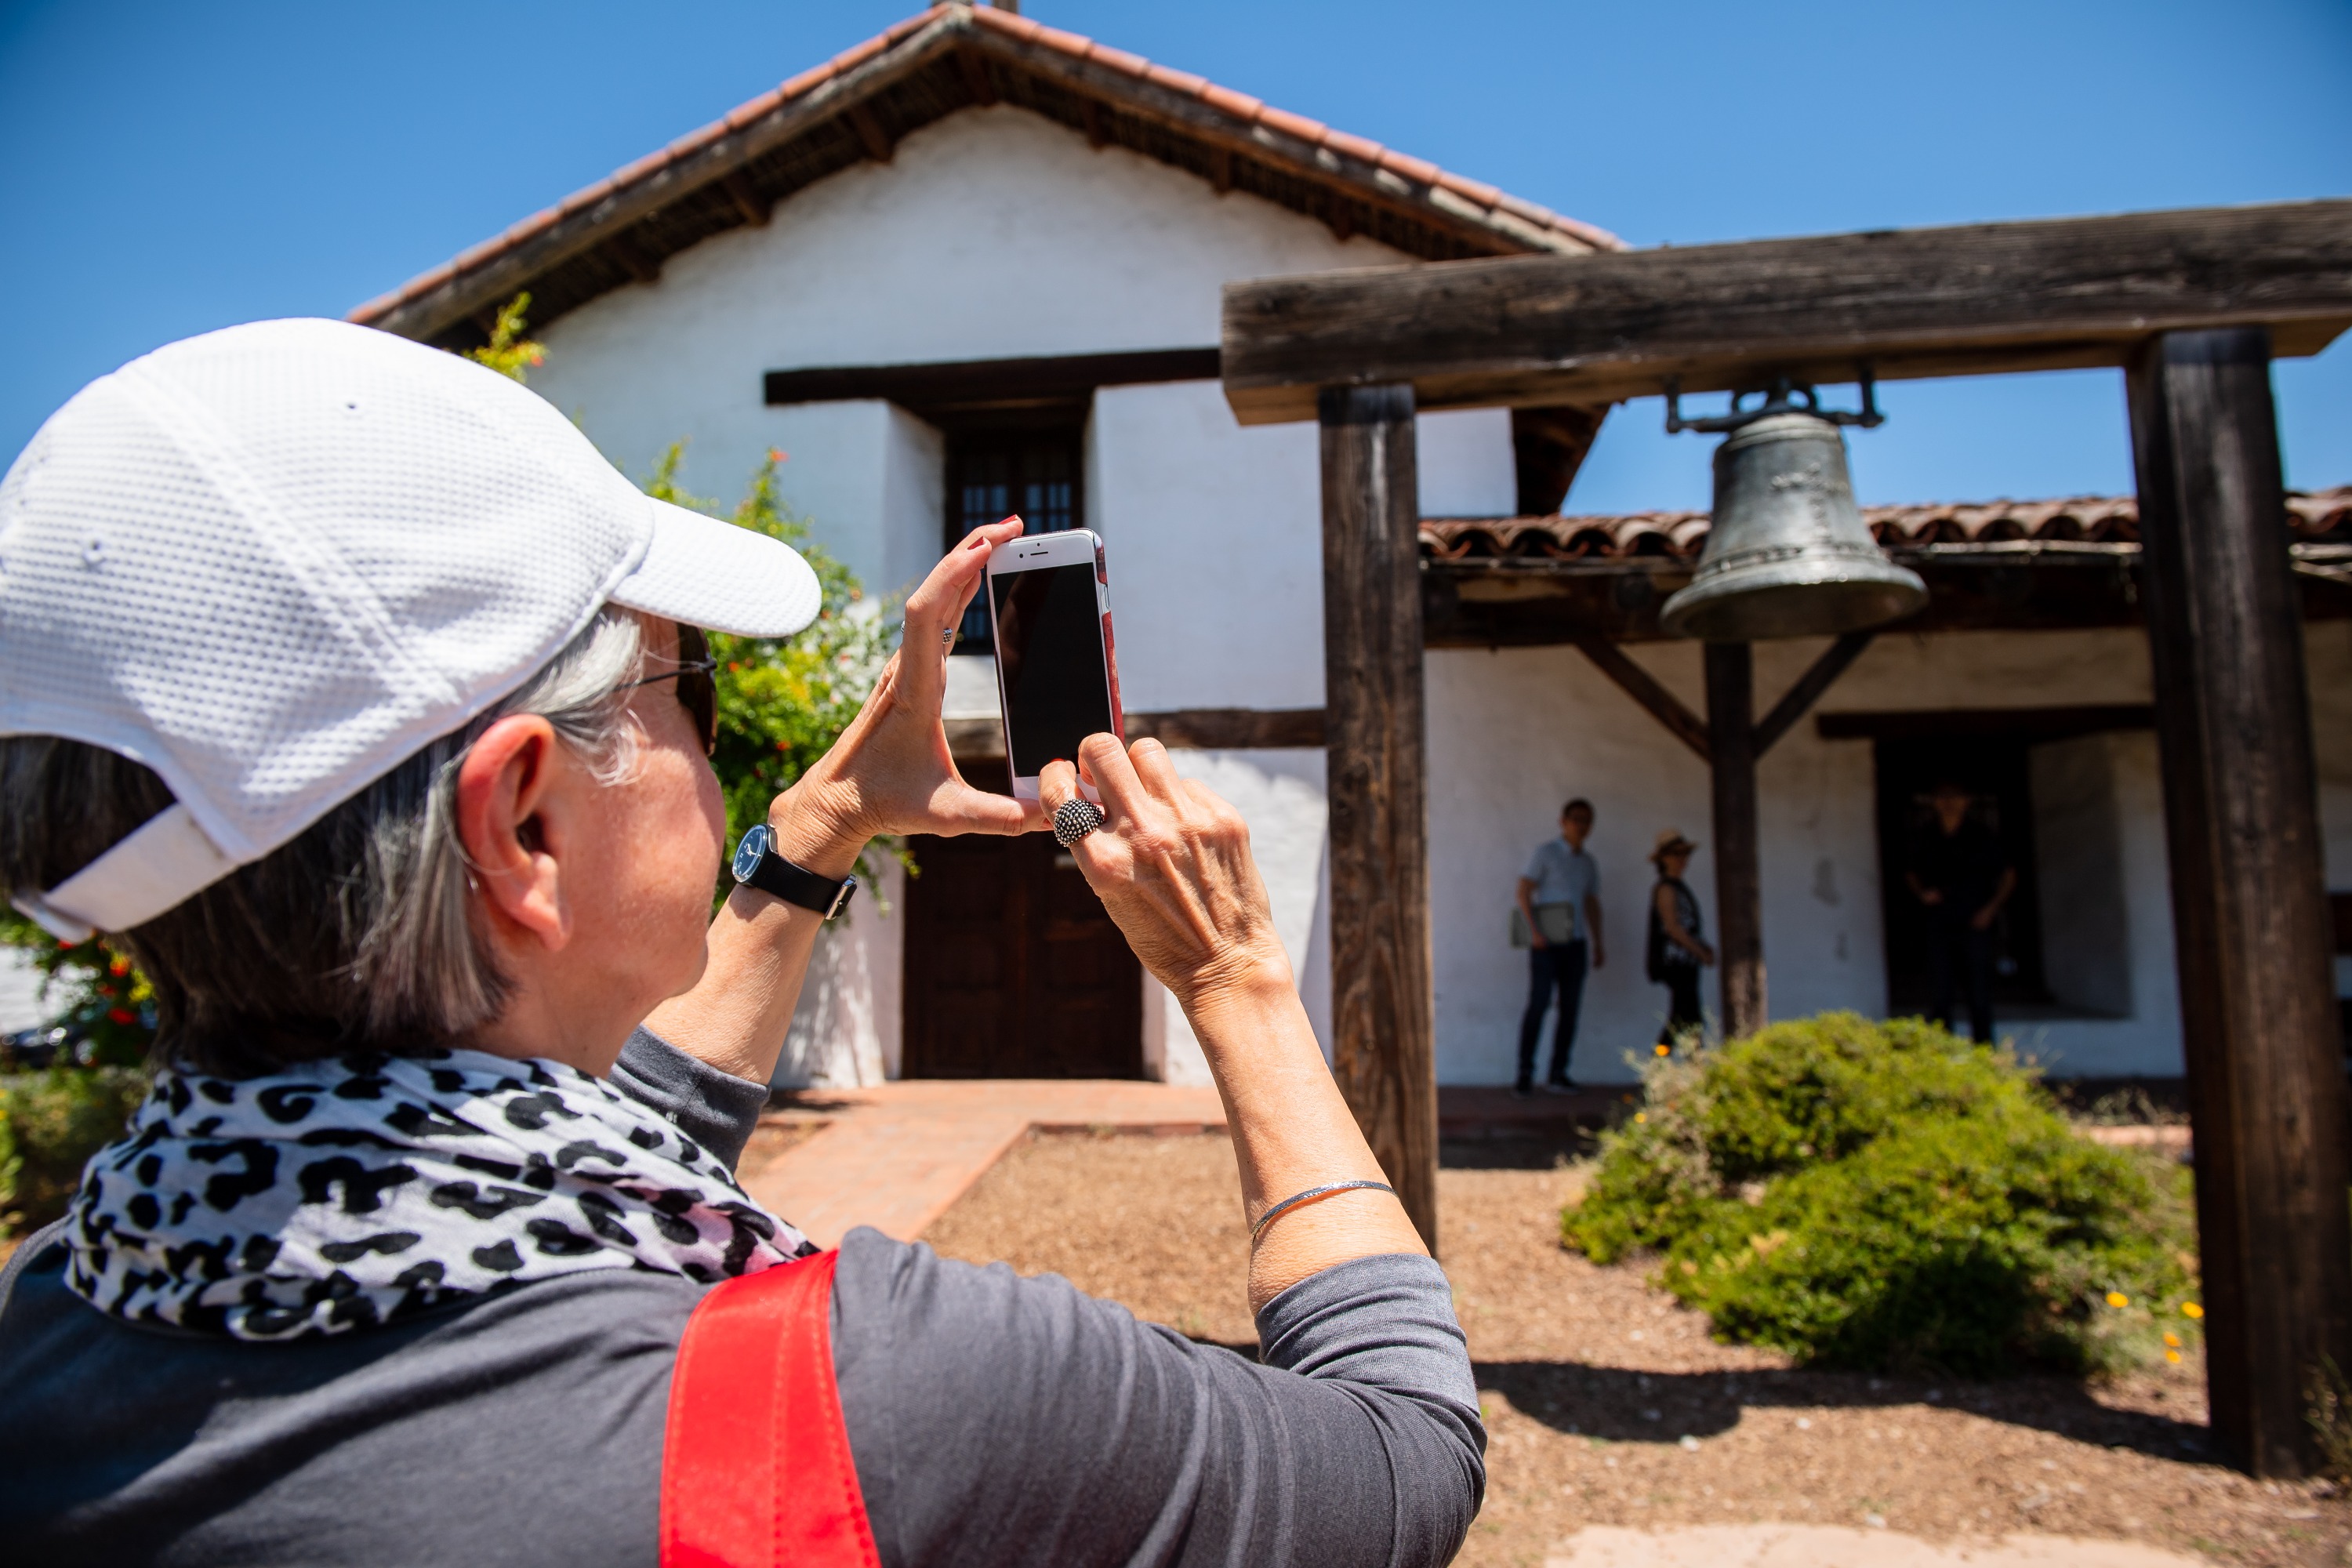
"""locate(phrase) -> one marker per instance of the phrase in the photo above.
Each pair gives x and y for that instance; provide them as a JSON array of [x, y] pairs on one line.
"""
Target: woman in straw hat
[[1676, 953]]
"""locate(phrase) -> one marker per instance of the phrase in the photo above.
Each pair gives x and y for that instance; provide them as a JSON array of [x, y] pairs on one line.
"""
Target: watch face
[[747, 853]]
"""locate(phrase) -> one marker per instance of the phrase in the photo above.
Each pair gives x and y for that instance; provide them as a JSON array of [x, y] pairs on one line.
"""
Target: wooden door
[[1013, 967]]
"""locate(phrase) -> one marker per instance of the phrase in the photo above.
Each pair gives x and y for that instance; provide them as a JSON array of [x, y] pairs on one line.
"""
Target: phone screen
[[1049, 653]]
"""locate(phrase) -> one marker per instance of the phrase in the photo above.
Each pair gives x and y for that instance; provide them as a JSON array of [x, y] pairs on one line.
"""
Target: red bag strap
[[756, 1469]]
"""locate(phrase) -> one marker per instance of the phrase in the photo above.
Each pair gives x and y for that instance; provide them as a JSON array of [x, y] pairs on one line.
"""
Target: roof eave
[[475, 283]]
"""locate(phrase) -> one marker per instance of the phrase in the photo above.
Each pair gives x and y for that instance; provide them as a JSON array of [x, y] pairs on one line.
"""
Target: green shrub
[[51, 1122], [1887, 1196]]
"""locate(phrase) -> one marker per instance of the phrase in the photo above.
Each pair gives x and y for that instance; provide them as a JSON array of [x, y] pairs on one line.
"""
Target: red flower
[[122, 1015]]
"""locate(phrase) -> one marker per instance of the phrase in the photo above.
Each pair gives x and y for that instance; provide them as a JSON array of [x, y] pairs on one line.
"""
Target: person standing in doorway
[[1676, 952], [1960, 872], [1559, 899]]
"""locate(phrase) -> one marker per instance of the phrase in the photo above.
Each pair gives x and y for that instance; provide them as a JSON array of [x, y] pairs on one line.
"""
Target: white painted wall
[[1280, 794], [991, 233], [20, 991], [1213, 536], [846, 1032]]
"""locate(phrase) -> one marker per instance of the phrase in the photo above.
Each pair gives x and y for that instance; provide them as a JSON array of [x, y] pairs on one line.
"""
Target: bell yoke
[[1787, 554]]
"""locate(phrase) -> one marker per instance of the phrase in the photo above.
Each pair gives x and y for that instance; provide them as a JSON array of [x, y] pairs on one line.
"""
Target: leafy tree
[[782, 702]]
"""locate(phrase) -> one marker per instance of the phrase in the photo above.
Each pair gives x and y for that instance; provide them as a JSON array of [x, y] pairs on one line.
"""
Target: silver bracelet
[[1294, 1199]]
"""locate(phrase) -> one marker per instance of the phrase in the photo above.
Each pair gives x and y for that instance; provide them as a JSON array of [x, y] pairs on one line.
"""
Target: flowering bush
[[782, 702], [1888, 1196]]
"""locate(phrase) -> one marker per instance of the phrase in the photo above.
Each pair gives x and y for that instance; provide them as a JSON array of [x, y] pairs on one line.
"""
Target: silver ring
[[948, 637], [1076, 819]]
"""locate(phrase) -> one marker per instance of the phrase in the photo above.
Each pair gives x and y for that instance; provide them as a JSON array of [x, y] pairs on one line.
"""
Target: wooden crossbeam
[[1975, 299]]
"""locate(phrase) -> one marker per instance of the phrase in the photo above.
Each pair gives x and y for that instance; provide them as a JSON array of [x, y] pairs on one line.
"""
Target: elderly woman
[[360, 700]]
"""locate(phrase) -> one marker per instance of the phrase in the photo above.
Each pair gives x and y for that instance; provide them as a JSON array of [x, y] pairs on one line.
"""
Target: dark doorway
[[1994, 768], [1035, 470], [1013, 968]]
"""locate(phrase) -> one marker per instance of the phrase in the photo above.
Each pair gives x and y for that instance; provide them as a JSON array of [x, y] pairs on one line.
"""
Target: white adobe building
[[974, 265]]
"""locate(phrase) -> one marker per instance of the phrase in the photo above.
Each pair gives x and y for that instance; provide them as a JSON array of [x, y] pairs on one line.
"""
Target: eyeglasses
[[698, 685]]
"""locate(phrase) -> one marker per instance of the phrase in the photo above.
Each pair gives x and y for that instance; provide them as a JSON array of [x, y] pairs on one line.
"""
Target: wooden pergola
[[2192, 306]]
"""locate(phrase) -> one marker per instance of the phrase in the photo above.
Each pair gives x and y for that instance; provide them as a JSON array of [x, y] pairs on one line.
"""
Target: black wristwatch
[[757, 864]]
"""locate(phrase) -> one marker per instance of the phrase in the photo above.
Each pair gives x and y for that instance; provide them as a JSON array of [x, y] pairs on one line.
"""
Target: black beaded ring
[[1074, 820]]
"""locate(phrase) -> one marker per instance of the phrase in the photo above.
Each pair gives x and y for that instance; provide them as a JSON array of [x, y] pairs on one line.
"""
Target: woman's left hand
[[891, 772]]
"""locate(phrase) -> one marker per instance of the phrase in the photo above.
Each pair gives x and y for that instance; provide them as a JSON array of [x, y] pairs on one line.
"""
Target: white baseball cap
[[272, 562]]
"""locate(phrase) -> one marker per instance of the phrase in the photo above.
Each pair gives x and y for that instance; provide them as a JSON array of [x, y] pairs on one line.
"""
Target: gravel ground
[[1608, 1405]]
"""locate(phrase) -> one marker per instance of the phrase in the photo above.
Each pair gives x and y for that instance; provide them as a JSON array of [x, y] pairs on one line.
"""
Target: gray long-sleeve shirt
[[993, 1419]]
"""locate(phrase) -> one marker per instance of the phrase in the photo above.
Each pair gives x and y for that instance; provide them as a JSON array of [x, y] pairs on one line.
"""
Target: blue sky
[[167, 169]]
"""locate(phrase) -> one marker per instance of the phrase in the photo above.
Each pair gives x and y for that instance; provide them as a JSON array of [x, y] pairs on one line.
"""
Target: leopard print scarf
[[344, 1193]]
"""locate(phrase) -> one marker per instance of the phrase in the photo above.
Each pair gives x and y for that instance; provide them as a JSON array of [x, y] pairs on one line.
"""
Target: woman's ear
[[511, 819]]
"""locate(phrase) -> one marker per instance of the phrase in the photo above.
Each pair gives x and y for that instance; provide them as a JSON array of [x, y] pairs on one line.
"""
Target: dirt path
[[1609, 1406]]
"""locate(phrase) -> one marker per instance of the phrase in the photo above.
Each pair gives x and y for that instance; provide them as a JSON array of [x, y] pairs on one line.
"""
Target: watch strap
[[798, 885]]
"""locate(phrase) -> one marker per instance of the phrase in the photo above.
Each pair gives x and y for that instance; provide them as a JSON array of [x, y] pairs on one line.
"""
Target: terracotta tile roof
[[1680, 535], [950, 58]]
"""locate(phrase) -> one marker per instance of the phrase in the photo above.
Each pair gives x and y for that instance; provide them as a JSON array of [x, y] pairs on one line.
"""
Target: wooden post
[[2249, 913], [1383, 1029], [1738, 883]]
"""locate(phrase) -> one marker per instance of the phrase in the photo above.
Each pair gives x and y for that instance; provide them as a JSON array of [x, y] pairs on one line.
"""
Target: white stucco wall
[[991, 233], [1213, 536], [1280, 794], [846, 1031], [20, 991]]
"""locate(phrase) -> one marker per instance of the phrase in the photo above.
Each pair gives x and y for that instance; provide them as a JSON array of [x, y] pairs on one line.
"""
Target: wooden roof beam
[[1976, 299]]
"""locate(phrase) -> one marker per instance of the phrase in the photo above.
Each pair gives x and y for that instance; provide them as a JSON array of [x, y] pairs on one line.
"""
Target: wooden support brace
[[877, 141], [1642, 687], [1383, 1027], [2250, 916], [1798, 698], [746, 202], [1221, 169], [1091, 113]]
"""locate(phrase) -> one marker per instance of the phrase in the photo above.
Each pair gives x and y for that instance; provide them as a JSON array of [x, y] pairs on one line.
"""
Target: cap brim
[[710, 573]]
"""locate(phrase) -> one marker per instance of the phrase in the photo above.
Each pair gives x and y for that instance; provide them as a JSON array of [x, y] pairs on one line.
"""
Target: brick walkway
[[897, 1155]]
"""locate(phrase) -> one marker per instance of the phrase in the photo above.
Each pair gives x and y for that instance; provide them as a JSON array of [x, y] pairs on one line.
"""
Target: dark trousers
[[1959, 954], [1561, 964], [1683, 1015]]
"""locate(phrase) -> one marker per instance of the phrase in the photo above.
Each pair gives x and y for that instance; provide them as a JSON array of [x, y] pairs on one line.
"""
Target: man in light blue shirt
[[1559, 899]]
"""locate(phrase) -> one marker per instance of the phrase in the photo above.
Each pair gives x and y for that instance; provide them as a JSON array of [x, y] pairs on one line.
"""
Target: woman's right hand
[[1172, 863], [890, 770]]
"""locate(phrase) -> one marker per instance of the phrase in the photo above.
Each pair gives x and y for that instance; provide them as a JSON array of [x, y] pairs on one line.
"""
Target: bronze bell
[[1788, 554]]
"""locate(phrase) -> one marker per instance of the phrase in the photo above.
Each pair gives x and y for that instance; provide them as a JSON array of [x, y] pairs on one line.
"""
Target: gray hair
[[359, 933]]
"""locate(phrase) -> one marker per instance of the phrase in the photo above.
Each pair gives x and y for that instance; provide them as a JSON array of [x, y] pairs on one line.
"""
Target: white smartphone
[[1049, 609]]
